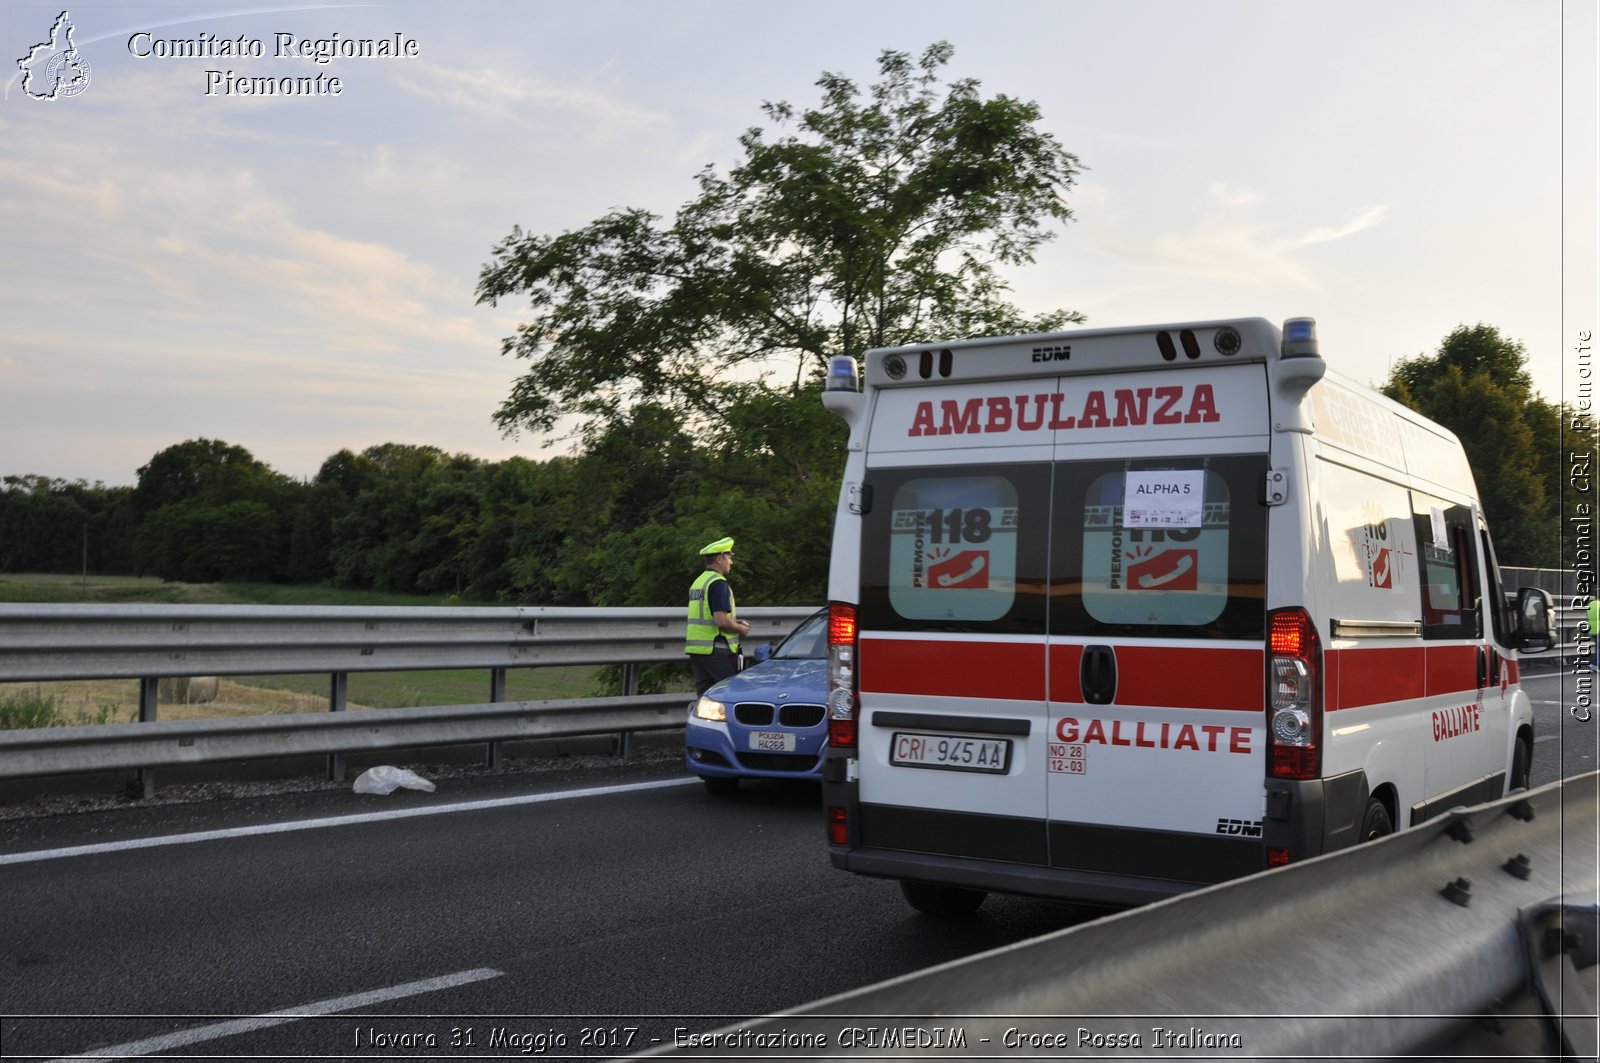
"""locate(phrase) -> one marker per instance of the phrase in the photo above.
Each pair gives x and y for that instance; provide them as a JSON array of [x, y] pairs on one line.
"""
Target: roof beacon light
[[1300, 338], [841, 374]]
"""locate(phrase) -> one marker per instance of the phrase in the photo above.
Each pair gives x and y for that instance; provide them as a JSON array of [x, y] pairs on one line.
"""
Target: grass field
[[137, 589], [124, 589], [78, 702]]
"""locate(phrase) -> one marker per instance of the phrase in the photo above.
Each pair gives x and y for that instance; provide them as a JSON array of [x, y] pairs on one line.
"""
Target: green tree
[[208, 510], [42, 528], [199, 543], [877, 217], [1478, 386], [202, 470]]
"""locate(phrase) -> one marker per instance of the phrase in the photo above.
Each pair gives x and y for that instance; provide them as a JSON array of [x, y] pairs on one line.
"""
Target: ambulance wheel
[[1376, 823], [1521, 766], [944, 902], [718, 786]]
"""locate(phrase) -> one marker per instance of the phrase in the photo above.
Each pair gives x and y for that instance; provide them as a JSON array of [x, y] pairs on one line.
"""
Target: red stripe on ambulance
[[936, 668], [1452, 669], [1191, 677], [1358, 678], [1178, 677], [1172, 676]]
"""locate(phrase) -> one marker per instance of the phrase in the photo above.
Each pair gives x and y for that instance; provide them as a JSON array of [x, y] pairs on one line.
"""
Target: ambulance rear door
[[1157, 617], [952, 626]]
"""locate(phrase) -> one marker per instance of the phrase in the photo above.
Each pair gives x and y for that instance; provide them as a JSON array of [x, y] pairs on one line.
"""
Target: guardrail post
[[622, 743], [338, 693], [144, 779], [497, 693]]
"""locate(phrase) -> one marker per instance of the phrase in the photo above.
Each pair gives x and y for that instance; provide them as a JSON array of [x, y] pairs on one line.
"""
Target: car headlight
[[709, 709]]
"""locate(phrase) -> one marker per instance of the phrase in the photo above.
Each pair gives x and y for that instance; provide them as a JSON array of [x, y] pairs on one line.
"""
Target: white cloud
[[1224, 247], [1363, 221], [498, 94], [1230, 196]]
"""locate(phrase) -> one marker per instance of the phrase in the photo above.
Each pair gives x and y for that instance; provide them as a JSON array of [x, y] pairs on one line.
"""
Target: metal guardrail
[[152, 642], [1562, 583], [42, 642], [1471, 935]]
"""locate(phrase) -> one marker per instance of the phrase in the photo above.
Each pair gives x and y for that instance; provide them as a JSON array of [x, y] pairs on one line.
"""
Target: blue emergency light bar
[[1300, 338], [841, 374]]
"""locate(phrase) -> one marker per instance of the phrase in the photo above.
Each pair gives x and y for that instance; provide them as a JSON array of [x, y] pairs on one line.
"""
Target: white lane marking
[[333, 821], [155, 1045]]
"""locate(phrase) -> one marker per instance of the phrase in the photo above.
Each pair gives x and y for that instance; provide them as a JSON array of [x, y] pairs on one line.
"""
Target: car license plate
[[951, 752], [772, 741]]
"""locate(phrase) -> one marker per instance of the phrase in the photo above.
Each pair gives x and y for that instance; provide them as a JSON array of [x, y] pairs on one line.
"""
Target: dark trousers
[[714, 667]]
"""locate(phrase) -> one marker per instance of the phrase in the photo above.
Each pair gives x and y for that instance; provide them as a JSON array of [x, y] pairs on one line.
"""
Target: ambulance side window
[[1502, 618], [956, 549], [1446, 539]]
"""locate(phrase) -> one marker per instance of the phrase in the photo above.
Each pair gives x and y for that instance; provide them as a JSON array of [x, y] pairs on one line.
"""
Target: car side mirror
[[1534, 607], [763, 651]]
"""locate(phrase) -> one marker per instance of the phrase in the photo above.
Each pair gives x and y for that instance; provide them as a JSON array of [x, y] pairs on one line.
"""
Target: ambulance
[[1119, 613]]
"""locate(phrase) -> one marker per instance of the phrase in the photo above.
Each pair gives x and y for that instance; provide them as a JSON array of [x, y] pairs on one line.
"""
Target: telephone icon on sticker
[[968, 570], [1172, 570]]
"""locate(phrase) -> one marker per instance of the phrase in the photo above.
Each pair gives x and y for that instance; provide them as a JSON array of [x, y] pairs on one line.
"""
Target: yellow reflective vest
[[703, 630]]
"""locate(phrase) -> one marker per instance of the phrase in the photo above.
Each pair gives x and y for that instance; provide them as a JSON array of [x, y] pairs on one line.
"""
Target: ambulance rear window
[[956, 549], [1155, 543], [1172, 548], [1164, 548]]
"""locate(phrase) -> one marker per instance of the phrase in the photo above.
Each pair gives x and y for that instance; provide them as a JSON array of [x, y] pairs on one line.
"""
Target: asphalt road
[[586, 912], [1564, 745], [627, 900]]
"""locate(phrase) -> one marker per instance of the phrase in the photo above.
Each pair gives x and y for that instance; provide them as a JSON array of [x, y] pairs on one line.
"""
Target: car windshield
[[809, 640]]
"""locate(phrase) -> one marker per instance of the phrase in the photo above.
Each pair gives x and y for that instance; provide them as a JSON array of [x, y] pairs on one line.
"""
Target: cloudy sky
[[296, 275]]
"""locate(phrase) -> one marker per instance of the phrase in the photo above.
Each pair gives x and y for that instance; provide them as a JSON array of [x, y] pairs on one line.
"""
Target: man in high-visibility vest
[[712, 642]]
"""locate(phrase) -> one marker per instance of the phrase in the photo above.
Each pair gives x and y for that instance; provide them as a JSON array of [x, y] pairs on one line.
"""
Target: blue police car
[[767, 722]]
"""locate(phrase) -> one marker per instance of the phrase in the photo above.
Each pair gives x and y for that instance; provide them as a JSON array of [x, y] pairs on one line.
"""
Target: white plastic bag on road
[[386, 780]]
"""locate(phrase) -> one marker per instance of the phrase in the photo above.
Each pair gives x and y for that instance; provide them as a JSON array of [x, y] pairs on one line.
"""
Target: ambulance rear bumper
[[1085, 887], [1314, 816]]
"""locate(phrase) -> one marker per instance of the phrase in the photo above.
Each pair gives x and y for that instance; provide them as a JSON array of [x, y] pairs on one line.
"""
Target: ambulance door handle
[[1483, 667], [1097, 675]]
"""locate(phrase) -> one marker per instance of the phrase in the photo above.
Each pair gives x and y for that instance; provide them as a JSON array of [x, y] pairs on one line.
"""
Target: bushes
[[22, 711]]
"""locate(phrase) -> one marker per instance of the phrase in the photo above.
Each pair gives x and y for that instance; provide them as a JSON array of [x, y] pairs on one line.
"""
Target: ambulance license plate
[[951, 753], [772, 741]]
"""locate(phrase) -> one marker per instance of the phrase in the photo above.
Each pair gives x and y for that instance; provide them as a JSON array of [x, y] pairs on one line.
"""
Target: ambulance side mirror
[[1533, 620]]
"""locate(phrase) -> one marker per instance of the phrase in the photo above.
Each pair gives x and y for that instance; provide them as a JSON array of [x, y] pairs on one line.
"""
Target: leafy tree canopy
[[1479, 387], [877, 217], [206, 470]]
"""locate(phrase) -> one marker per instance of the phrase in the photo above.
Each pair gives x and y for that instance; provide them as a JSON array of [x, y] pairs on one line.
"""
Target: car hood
[[802, 679]]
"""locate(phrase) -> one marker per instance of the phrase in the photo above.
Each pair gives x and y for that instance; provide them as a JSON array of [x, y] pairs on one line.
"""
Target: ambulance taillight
[[842, 694], [1294, 696]]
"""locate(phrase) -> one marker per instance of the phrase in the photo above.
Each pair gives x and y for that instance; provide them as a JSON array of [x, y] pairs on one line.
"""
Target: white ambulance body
[[1119, 613]]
